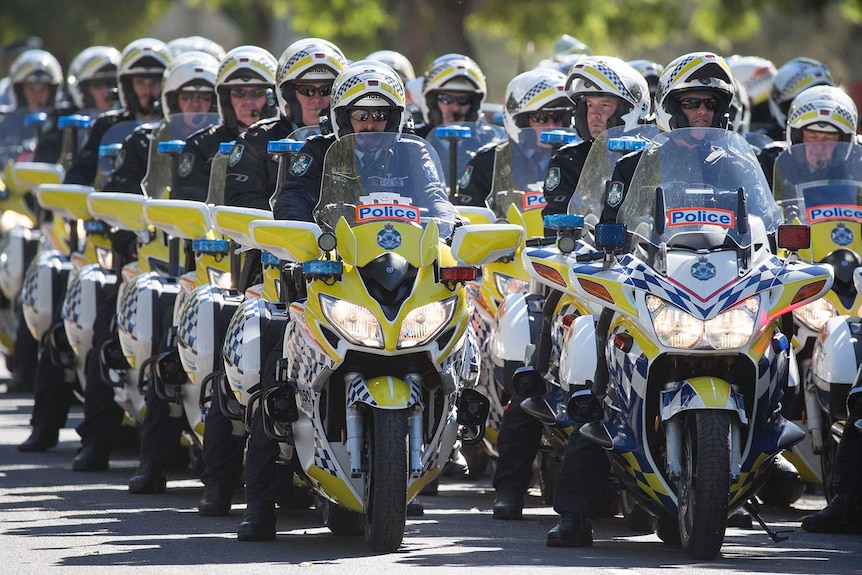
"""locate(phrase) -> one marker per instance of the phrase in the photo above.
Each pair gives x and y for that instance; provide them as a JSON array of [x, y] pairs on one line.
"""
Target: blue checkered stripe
[[640, 276], [30, 287], [71, 310], [233, 340], [357, 392], [322, 457], [307, 361], [187, 328], [127, 306]]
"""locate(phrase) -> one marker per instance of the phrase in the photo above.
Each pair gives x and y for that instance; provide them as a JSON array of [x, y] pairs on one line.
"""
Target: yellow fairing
[[358, 245], [389, 392], [181, 219], [234, 222], [66, 201], [648, 347], [532, 220], [335, 488], [125, 211], [488, 286], [297, 244], [154, 252], [822, 243], [621, 297], [271, 284], [712, 391]]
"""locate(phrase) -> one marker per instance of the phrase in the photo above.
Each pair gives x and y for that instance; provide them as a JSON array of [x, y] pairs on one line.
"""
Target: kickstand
[[753, 509]]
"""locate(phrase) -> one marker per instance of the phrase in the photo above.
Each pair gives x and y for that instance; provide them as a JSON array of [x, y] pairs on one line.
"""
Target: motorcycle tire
[[386, 484], [705, 483]]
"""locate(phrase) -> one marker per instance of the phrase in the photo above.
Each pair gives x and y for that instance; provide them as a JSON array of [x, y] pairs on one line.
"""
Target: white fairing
[[139, 312], [833, 359], [14, 259], [79, 309], [510, 334], [246, 346], [578, 357], [43, 285]]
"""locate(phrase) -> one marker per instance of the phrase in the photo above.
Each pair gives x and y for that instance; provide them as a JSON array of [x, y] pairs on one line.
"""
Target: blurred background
[[504, 36]]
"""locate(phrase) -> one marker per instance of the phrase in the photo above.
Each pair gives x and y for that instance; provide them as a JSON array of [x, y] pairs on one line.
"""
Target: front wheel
[[705, 483], [386, 484]]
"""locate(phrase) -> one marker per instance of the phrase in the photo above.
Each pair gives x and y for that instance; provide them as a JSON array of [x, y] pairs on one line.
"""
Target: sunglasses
[[545, 117], [694, 103], [240, 93], [375, 115], [310, 91], [448, 100]]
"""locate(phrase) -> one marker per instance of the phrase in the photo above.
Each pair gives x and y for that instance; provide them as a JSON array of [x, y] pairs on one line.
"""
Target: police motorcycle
[[379, 355], [515, 195], [148, 285], [698, 365], [828, 200]]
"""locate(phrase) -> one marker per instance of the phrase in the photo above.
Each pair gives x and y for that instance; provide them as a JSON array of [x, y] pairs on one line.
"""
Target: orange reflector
[[549, 273], [458, 274], [808, 291], [596, 289]]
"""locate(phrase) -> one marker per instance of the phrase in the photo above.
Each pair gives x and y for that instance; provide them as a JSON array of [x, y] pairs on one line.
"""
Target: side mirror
[[479, 244]]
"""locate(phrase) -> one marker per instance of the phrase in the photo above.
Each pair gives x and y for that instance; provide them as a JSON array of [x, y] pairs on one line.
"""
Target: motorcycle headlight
[[354, 322], [815, 314], [218, 278], [678, 329], [423, 323], [507, 284]]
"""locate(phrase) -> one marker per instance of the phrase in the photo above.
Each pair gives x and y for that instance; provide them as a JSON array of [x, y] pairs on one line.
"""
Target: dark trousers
[[517, 445], [102, 416], [583, 480], [847, 470], [52, 393], [222, 451]]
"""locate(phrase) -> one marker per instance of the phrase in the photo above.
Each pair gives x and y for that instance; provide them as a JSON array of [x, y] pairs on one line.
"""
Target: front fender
[[384, 392], [702, 393]]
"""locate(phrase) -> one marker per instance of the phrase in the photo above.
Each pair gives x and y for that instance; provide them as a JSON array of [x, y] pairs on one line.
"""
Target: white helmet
[[608, 76], [94, 64], [570, 46], [791, 79], [697, 71], [756, 74], [178, 46], [531, 91], [142, 57], [34, 66], [454, 72], [309, 59], [367, 83], [397, 61], [244, 66], [188, 72], [740, 108], [822, 109]]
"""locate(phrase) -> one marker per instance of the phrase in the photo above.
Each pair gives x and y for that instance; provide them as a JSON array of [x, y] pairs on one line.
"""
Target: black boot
[[842, 515], [40, 439], [215, 501], [573, 530], [91, 457], [258, 523], [149, 478], [415, 508], [508, 504]]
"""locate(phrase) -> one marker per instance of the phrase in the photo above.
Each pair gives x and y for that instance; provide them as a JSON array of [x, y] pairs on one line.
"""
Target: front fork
[[673, 449]]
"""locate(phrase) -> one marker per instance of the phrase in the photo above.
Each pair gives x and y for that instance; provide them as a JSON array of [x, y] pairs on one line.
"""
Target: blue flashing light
[[626, 144], [559, 137], [285, 146], [611, 235], [780, 343], [171, 147], [109, 150], [226, 147], [563, 221], [268, 259], [323, 268], [453, 133], [74, 121], [211, 246], [35, 119], [94, 227]]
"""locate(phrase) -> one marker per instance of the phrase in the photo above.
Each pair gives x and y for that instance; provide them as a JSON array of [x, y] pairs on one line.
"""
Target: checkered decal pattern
[[30, 287], [233, 341], [187, 328], [635, 464], [356, 392], [306, 362], [641, 276], [127, 307], [71, 310], [322, 457]]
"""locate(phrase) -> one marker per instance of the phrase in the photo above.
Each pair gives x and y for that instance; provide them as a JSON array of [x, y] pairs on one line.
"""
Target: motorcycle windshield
[[381, 176], [285, 159], [17, 139], [699, 188], [599, 167], [820, 182], [109, 147], [519, 173], [160, 167], [481, 133]]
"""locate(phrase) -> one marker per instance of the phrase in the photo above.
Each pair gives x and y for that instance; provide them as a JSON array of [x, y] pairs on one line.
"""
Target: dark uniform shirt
[[252, 172], [561, 178], [195, 163], [83, 171], [130, 166]]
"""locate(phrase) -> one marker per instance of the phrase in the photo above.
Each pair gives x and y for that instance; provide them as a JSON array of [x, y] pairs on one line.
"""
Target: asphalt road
[[53, 520]]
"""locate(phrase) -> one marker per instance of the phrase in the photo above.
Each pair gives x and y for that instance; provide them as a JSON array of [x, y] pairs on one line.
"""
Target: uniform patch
[[235, 154], [615, 194], [300, 164], [552, 179], [186, 163], [464, 180]]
